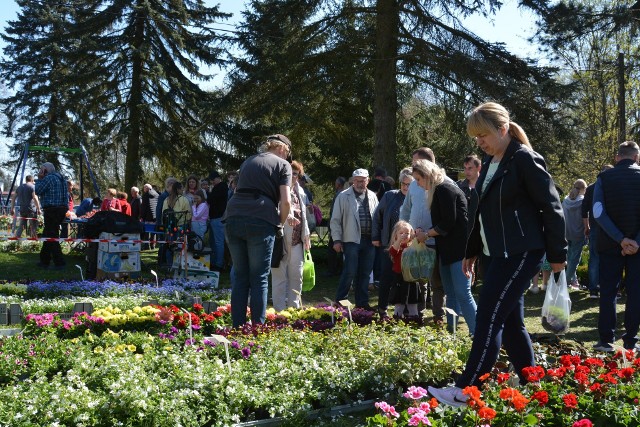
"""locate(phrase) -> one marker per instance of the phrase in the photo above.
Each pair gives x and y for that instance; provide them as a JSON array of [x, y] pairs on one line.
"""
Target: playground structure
[[23, 166]]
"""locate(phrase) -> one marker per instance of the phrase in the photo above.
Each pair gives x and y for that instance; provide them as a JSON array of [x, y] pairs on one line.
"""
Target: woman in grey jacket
[[572, 208], [519, 218]]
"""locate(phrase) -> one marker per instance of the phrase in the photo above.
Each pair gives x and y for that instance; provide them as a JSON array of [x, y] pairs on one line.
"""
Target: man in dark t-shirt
[[29, 207]]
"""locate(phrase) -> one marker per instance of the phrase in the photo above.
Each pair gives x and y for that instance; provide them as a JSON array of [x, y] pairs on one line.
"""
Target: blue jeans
[[500, 317], [612, 264], [250, 241], [358, 264], [457, 288], [594, 259], [573, 258], [216, 241]]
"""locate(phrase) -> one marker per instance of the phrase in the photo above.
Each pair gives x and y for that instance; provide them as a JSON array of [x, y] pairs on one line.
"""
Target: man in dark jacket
[[136, 203], [472, 167], [616, 208]]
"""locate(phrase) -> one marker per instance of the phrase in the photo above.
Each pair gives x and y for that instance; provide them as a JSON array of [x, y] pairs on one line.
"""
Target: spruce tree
[[37, 71]]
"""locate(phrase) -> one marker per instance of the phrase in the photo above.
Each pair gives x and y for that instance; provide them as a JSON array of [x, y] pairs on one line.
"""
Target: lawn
[[21, 266]]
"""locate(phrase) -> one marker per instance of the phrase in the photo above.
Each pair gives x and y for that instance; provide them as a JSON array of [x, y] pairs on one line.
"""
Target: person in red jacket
[[125, 207]]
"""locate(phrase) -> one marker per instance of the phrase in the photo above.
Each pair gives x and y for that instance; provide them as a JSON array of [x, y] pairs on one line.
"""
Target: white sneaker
[[451, 396], [534, 289]]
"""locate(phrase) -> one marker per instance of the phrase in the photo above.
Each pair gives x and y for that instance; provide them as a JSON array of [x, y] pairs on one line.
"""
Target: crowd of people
[[504, 224]]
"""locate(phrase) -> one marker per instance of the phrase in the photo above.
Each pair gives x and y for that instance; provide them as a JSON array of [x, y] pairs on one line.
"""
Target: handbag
[[417, 262], [308, 272], [278, 251], [556, 308]]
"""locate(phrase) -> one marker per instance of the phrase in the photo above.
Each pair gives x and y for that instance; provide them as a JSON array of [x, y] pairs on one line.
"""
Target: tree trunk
[[132, 165], [386, 103]]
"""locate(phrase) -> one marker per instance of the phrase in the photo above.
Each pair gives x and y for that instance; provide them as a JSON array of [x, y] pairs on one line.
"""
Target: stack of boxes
[[121, 259]]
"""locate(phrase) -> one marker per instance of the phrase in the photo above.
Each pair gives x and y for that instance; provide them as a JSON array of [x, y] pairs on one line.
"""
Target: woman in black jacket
[[519, 217], [448, 207]]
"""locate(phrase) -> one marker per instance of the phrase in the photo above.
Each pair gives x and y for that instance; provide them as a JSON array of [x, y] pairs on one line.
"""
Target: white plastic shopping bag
[[557, 305]]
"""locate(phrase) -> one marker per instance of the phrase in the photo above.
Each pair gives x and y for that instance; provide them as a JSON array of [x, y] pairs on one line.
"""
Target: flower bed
[[125, 364], [578, 392], [148, 367]]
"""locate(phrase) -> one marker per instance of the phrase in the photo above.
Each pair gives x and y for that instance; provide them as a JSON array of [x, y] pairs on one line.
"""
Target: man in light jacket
[[351, 224]]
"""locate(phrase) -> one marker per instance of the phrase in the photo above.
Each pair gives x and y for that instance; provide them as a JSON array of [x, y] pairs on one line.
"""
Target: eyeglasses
[[405, 184], [296, 174]]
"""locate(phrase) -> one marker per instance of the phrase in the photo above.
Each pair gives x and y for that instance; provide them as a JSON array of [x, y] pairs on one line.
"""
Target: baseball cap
[[361, 172], [281, 138]]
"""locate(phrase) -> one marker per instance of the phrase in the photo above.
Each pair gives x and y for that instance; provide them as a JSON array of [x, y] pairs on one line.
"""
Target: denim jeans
[[358, 264], [573, 258], [612, 264], [594, 259], [216, 241], [457, 288], [250, 241], [500, 317]]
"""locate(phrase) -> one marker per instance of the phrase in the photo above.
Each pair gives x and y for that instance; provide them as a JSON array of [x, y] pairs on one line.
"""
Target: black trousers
[[53, 217], [500, 317]]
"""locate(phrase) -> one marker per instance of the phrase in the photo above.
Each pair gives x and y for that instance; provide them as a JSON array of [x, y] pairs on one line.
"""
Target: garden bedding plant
[[577, 391], [135, 379]]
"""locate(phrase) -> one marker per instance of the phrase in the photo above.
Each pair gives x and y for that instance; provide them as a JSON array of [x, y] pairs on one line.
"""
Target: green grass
[[21, 267]]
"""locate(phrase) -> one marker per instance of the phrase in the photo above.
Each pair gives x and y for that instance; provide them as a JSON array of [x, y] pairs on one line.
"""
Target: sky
[[510, 26]]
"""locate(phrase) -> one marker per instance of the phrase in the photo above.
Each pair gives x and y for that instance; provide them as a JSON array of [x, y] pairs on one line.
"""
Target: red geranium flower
[[585, 422], [486, 413], [570, 401], [541, 396], [502, 377], [533, 373], [626, 373]]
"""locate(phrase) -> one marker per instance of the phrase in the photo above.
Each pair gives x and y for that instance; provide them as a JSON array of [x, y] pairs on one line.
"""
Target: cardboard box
[[191, 262], [119, 262], [127, 246]]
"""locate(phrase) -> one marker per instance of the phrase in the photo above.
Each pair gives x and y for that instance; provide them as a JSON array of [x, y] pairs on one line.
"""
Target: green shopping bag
[[308, 272]]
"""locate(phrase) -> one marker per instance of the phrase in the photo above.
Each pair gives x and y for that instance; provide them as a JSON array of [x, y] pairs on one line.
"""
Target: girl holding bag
[[404, 294]]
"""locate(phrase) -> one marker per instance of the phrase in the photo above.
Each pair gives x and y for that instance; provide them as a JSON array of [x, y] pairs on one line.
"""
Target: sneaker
[[594, 294], [451, 396], [534, 289], [606, 347], [574, 286]]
